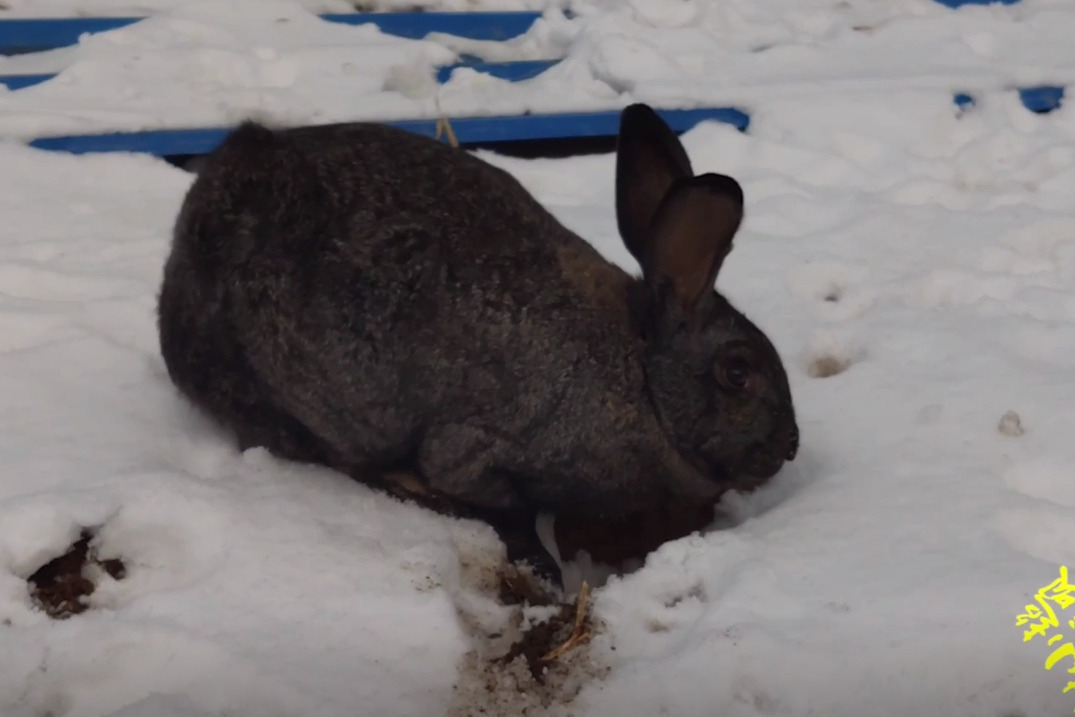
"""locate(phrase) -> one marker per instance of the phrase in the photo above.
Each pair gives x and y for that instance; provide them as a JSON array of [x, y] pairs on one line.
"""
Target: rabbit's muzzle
[[793, 443], [766, 459]]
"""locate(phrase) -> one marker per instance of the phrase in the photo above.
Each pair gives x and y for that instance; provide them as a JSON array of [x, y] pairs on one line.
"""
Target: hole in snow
[[60, 587], [695, 592], [833, 283], [827, 365], [1011, 424], [831, 353]]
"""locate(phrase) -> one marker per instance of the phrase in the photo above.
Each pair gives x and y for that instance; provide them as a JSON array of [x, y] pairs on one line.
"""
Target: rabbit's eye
[[737, 374]]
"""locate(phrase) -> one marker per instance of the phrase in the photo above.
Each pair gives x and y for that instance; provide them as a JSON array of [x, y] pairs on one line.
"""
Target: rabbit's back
[[376, 196], [404, 301]]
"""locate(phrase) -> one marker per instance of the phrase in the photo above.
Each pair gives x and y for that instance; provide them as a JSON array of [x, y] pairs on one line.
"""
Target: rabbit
[[369, 299]]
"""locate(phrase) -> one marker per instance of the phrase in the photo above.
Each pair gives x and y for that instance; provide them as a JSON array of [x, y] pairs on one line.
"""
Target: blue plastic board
[[963, 100], [511, 71], [30, 35], [17, 82], [416, 25], [1042, 99], [961, 3], [468, 130]]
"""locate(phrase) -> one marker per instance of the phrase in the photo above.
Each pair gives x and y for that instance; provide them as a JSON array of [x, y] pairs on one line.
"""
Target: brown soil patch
[[536, 660], [60, 586], [545, 642]]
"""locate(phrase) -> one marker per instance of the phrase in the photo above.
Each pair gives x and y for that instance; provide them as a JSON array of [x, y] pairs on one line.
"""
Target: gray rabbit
[[362, 297]]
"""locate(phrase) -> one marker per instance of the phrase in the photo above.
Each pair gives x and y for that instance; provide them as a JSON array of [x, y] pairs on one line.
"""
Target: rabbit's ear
[[649, 158], [692, 234]]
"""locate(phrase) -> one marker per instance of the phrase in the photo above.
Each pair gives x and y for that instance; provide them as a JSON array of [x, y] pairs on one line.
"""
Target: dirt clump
[[566, 628], [534, 657], [60, 587]]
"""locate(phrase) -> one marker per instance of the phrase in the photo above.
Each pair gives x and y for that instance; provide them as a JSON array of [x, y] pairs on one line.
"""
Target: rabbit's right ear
[[649, 158], [692, 235]]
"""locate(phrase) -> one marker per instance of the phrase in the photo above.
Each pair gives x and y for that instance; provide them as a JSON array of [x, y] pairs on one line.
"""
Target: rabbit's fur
[[366, 298]]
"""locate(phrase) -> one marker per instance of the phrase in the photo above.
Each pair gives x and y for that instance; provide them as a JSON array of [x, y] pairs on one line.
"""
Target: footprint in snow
[[1045, 531], [1046, 246], [1047, 478], [838, 291], [830, 353], [60, 587]]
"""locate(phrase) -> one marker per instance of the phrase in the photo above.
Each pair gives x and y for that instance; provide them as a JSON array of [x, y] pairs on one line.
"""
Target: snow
[[204, 63], [139, 8], [914, 265]]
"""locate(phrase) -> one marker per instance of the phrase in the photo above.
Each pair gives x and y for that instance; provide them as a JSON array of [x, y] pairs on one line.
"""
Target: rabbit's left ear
[[691, 235], [649, 159]]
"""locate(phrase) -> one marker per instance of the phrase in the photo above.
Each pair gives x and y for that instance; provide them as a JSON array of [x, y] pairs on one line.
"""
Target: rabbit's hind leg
[[208, 366], [260, 424], [517, 529]]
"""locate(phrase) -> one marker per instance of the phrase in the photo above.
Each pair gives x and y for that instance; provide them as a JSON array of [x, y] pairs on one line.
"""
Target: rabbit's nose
[[793, 443]]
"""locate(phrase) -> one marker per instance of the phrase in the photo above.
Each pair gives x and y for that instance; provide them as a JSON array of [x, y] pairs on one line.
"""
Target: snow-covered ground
[[206, 62], [924, 257], [136, 8]]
